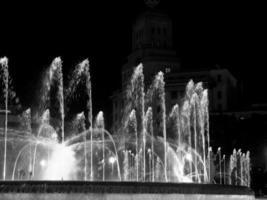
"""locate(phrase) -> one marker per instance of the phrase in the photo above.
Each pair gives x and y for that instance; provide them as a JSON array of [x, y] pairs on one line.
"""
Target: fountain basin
[[119, 190]]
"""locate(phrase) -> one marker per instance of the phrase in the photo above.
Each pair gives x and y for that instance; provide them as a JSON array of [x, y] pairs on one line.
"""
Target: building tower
[[152, 44]]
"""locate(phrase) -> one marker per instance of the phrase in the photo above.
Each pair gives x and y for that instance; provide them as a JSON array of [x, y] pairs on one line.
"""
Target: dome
[[152, 3]]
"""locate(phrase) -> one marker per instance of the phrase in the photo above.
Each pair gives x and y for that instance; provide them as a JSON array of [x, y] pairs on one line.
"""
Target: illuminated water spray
[[56, 75], [100, 125], [144, 148], [132, 130], [61, 165], [26, 117], [81, 72], [156, 99], [149, 131], [4, 65]]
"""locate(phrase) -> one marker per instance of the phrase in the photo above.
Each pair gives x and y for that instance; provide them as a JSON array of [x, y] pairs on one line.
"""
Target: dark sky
[[31, 35]]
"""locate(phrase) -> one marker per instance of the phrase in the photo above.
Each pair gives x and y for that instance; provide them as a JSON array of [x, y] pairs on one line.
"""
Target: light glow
[[112, 160], [43, 163], [62, 165], [188, 157]]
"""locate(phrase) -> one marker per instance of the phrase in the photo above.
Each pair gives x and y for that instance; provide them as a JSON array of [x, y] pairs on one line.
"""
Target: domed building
[[152, 45]]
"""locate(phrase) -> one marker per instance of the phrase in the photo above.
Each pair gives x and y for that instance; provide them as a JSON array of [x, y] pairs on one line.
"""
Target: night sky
[[205, 34]]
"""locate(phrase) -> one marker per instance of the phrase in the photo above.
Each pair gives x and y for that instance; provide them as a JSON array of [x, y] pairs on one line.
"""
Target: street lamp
[[220, 164], [43, 163], [112, 161], [188, 157]]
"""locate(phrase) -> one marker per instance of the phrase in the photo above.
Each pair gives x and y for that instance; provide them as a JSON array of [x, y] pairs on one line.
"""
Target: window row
[[159, 31]]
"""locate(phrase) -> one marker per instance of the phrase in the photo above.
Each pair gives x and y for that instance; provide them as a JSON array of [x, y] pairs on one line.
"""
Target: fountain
[[152, 147]]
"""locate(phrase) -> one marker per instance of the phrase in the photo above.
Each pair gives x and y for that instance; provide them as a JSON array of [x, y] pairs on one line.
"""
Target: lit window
[[167, 70]]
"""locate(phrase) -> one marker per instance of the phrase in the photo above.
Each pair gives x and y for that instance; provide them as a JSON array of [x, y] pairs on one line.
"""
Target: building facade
[[152, 45]]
